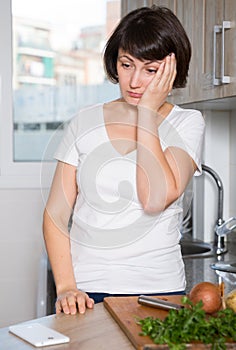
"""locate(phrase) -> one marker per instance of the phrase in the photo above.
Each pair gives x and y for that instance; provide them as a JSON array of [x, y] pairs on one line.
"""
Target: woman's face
[[134, 76]]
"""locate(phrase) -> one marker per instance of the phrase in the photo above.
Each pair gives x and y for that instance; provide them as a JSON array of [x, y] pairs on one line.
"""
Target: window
[[50, 67], [57, 67]]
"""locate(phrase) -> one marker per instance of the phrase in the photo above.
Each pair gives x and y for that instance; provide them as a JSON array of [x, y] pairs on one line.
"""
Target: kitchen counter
[[96, 329]]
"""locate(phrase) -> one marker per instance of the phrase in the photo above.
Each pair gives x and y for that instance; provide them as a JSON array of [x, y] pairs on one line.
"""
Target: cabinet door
[[210, 25], [171, 4], [207, 46], [130, 5], [181, 9], [214, 49], [230, 48]]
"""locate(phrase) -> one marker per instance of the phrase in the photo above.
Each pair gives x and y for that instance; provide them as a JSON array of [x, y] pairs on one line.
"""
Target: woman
[[122, 170]]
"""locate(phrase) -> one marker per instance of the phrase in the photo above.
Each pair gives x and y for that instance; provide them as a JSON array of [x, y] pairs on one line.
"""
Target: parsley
[[190, 324]]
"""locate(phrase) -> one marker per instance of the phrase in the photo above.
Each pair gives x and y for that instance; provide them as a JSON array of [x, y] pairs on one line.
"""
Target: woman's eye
[[151, 70], [125, 65]]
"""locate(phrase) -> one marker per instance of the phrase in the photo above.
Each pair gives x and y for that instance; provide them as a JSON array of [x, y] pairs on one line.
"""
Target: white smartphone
[[38, 335]]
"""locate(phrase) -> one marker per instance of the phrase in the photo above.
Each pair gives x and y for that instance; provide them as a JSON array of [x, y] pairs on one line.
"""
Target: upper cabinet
[[230, 47], [211, 27]]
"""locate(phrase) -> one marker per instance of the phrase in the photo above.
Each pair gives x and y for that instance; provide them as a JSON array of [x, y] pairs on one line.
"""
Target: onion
[[210, 295], [230, 300]]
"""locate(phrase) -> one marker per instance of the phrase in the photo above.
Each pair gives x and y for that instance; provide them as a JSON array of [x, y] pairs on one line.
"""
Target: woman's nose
[[135, 79]]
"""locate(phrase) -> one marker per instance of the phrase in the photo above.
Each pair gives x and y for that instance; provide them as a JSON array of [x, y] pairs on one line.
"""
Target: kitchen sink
[[196, 249], [227, 266]]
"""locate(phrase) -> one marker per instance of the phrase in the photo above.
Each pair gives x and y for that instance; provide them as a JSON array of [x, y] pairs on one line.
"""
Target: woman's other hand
[[73, 301]]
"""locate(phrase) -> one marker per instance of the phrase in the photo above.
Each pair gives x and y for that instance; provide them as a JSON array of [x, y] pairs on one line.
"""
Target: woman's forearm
[[55, 225], [58, 247], [70, 300], [156, 183]]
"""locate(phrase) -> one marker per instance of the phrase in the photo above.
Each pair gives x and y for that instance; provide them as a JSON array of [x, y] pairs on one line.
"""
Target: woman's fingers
[[165, 76], [169, 72], [83, 302], [71, 302], [89, 302], [173, 70], [159, 75], [66, 303], [58, 307], [161, 84]]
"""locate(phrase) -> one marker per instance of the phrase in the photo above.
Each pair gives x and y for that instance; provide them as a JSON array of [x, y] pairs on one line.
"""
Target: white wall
[[220, 154], [21, 248], [217, 156]]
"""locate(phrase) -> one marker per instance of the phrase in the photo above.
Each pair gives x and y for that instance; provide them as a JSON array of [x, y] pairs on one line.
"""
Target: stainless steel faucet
[[220, 227], [227, 227]]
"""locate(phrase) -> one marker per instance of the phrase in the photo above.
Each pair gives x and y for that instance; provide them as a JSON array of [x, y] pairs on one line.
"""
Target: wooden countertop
[[100, 329], [96, 329]]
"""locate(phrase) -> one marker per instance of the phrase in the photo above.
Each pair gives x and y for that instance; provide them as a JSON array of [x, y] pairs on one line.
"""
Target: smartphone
[[38, 335]]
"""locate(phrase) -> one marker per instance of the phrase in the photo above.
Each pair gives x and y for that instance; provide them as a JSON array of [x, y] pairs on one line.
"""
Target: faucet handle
[[227, 227]]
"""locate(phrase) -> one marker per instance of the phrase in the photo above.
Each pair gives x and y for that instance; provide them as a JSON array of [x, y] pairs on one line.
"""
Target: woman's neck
[[120, 111]]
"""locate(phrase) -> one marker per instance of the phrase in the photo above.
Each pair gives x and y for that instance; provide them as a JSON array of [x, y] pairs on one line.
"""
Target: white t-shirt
[[116, 247]]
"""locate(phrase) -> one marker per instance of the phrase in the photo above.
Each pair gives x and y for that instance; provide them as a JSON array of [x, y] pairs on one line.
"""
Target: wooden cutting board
[[125, 310]]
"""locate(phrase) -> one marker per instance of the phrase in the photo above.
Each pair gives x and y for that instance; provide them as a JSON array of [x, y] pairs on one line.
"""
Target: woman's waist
[[134, 254], [94, 229]]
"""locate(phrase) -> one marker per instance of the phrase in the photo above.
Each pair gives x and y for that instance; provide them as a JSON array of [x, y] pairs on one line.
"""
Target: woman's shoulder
[[185, 115], [87, 111], [87, 117]]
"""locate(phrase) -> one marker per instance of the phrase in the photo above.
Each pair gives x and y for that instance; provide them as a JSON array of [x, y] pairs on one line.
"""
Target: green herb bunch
[[191, 324]]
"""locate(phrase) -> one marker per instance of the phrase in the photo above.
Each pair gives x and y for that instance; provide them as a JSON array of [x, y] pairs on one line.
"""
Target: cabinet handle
[[225, 78], [217, 29]]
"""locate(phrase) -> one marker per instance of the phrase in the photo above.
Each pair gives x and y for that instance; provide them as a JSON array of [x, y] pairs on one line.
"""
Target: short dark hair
[[149, 33]]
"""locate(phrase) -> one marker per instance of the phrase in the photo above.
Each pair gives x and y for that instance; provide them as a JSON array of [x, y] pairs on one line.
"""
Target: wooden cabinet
[[230, 47], [130, 5], [213, 66], [206, 44], [211, 27]]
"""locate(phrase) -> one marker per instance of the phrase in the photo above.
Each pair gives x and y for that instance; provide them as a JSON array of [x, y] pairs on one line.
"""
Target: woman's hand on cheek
[[161, 85]]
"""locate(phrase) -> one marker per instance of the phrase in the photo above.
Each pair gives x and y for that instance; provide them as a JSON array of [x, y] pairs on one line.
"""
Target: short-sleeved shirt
[[116, 247]]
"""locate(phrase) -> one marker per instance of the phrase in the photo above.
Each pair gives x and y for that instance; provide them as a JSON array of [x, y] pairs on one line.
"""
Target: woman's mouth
[[134, 94]]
